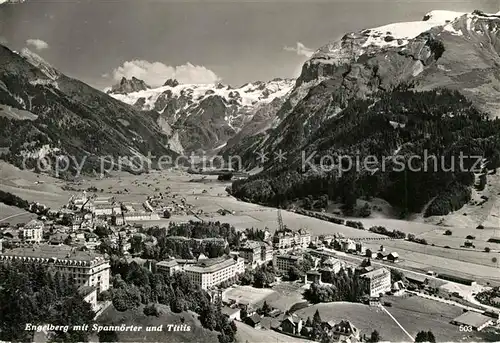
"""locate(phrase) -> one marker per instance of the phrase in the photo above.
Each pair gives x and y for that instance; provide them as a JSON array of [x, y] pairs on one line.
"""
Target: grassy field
[[135, 317], [31, 186], [288, 295], [416, 314], [413, 313], [248, 294], [364, 317], [281, 296], [248, 334], [14, 215]]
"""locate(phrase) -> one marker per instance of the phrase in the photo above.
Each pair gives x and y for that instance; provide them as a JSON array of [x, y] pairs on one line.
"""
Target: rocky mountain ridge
[[453, 50], [390, 93]]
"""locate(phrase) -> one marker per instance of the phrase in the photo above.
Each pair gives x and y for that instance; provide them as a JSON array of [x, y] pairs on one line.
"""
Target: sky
[[100, 41]]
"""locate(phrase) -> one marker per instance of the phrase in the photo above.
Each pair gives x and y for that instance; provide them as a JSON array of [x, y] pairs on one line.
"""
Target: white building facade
[[87, 269], [378, 281], [212, 272]]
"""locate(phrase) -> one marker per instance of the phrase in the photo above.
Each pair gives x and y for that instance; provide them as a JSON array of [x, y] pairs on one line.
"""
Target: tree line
[[394, 128], [32, 293]]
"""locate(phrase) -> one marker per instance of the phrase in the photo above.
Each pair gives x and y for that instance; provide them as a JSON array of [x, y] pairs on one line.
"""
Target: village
[[296, 269]]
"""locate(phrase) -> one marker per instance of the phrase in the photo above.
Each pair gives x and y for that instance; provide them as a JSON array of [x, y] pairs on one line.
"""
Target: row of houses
[[291, 324], [108, 207]]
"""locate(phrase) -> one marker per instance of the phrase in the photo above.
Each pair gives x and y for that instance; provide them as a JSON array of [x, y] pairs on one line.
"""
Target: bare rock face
[[205, 116], [171, 83], [127, 86], [68, 117], [459, 51]]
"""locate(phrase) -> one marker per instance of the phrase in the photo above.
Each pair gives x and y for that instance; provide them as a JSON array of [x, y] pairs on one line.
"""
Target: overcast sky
[[99, 41]]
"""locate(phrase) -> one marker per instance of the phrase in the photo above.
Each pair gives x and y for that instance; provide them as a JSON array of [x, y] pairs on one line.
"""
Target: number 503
[[465, 328]]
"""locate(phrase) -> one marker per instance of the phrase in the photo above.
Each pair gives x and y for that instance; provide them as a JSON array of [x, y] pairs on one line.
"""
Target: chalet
[[292, 324], [476, 321], [233, 313], [345, 332], [360, 248], [332, 264], [253, 321], [313, 276], [418, 279], [393, 257]]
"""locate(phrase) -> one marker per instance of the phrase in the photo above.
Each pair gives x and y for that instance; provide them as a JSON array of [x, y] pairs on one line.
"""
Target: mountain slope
[[203, 116], [452, 50], [404, 147], [353, 99], [67, 118]]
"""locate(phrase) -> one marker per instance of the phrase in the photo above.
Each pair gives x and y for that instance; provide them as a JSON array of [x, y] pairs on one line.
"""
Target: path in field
[[14, 215], [395, 321]]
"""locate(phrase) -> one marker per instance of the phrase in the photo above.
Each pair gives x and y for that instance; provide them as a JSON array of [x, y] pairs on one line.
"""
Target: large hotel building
[[87, 269], [287, 239], [208, 272], [377, 281]]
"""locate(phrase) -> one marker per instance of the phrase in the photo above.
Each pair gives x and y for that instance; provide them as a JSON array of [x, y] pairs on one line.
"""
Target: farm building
[[458, 279], [393, 257], [291, 324], [473, 319], [231, 313]]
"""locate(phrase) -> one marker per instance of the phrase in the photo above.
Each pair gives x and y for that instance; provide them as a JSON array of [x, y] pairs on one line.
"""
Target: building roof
[[251, 245], [52, 251], [331, 261], [211, 265], [170, 263], [292, 318], [254, 318], [289, 257], [376, 273], [473, 319], [86, 290], [495, 300], [345, 327], [228, 311], [419, 278], [34, 224]]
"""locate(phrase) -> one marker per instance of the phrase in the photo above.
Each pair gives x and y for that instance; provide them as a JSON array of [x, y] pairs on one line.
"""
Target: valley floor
[[209, 195]]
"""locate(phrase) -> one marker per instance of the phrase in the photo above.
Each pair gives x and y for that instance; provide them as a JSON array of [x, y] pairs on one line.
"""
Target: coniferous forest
[[424, 145], [31, 293]]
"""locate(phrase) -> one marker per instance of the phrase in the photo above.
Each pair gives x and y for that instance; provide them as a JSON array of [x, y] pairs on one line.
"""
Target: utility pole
[[280, 220]]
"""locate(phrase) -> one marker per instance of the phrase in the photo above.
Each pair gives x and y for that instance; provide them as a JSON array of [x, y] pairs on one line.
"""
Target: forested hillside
[[397, 132], [30, 293]]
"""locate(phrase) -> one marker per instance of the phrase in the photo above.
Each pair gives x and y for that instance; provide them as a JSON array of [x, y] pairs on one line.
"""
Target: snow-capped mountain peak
[[220, 109], [395, 35], [247, 95], [40, 63]]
